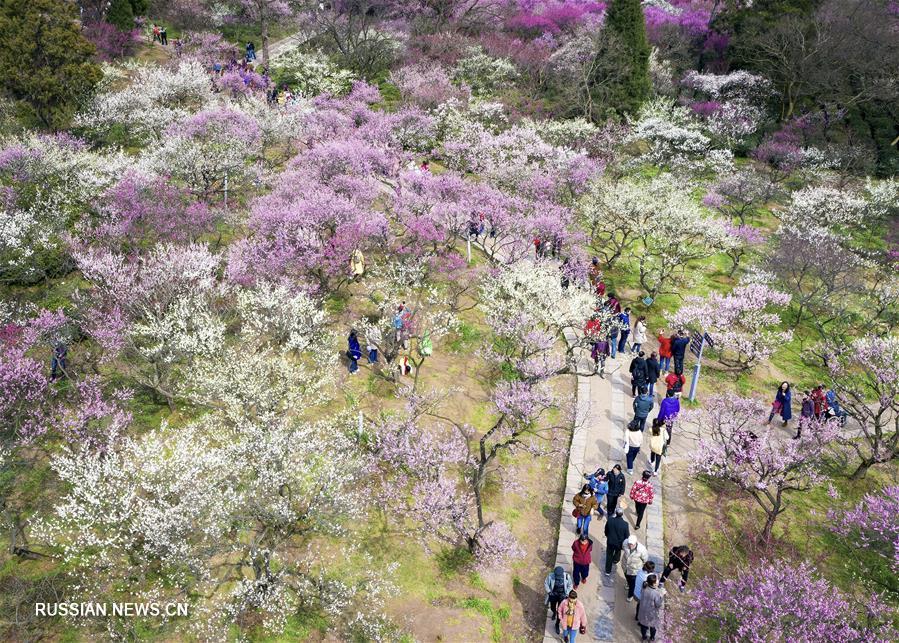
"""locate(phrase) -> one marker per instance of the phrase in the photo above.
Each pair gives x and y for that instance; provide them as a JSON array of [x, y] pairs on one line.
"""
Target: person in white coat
[[633, 558], [639, 334]]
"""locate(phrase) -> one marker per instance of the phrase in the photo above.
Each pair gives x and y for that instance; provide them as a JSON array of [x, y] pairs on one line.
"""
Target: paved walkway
[[603, 410]]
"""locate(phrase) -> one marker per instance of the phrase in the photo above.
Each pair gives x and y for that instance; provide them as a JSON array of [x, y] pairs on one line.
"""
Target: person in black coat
[[617, 485], [679, 343], [639, 373], [617, 532], [652, 371]]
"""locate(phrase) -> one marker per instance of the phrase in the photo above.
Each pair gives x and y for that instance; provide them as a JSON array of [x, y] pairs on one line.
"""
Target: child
[[597, 482]]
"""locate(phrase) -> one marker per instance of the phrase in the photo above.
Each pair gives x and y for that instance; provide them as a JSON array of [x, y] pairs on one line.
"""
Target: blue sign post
[[697, 344]]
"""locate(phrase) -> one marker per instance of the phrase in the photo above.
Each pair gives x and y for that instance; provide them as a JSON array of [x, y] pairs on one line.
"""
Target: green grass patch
[[497, 615]]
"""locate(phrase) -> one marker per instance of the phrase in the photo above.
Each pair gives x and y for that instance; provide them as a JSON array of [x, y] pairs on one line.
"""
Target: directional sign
[[708, 340], [696, 345]]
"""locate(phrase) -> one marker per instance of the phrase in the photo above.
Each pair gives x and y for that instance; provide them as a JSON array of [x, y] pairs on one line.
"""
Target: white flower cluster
[[670, 134], [310, 73], [483, 73]]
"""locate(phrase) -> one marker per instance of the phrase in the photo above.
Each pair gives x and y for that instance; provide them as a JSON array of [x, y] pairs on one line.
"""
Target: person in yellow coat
[[357, 263]]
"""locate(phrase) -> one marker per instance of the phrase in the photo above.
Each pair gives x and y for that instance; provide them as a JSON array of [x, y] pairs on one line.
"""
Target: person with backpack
[[679, 343], [679, 558], [649, 613], [634, 557], [584, 504], [597, 482], [658, 442], [653, 370], [664, 352], [617, 532], [643, 404], [639, 373], [642, 493], [674, 382], [617, 486], [573, 618], [581, 557], [557, 585]]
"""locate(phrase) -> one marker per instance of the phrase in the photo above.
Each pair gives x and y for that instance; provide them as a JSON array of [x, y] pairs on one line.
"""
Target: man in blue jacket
[[679, 344], [625, 319]]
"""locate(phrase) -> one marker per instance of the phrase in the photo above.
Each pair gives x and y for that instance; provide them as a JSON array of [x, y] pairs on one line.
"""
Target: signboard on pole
[[697, 343]]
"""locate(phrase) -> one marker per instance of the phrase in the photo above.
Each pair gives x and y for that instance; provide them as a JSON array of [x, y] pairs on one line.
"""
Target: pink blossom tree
[[745, 237], [865, 376], [759, 462], [777, 600]]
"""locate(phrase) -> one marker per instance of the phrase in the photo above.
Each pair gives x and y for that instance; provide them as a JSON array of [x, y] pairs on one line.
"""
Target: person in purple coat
[[669, 408]]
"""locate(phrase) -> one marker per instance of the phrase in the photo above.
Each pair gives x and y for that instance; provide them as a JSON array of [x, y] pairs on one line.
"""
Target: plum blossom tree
[[739, 195], [776, 600], [865, 378], [745, 236], [734, 105], [766, 467], [671, 134], [742, 324]]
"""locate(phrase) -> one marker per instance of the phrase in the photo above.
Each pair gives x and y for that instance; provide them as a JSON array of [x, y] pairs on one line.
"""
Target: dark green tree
[[46, 65], [120, 14], [625, 20]]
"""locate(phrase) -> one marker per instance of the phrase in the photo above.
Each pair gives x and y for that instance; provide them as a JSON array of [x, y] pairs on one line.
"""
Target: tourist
[[597, 482], [658, 443], [819, 398], [599, 353], [806, 413], [557, 585], [58, 361], [648, 568], [669, 408], [403, 365], [649, 613], [639, 374], [617, 532], [834, 410], [354, 351], [782, 404], [642, 493], [674, 382], [679, 343], [625, 320], [155, 32], [357, 264], [634, 557], [617, 486], [163, 36], [251, 52], [639, 334], [613, 338], [573, 618], [584, 504], [373, 338], [581, 557], [653, 370], [634, 442], [679, 558], [398, 325], [613, 304], [643, 404], [664, 352]]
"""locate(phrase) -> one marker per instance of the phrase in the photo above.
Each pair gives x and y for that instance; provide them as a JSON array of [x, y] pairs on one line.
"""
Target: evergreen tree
[[625, 19], [46, 65], [120, 14]]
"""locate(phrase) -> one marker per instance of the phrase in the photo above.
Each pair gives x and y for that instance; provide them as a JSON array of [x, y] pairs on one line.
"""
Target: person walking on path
[[648, 568], [617, 485], [783, 403], [634, 443], [617, 532], [820, 400], [679, 558], [679, 343], [806, 413], [643, 404], [584, 504], [669, 408], [624, 318], [599, 353], [664, 352], [649, 614], [581, 557], [653, 370], [597, 482], [357, 264], [639, 334], [642, 493], [674, 382], [373, 337], [658, 442], [639, 373], [573, 617], [557, 585], [354, 351], [634, 557], [163, 36]]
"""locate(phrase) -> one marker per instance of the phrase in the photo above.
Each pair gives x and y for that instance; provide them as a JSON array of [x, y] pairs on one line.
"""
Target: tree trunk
[[862, 470]]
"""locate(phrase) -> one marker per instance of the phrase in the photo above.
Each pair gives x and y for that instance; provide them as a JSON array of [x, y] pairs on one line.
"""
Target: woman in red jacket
[[642, 493], [581, 556], [664, 351]]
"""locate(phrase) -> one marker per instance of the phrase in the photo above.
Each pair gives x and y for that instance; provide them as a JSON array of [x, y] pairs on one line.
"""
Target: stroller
[[834, 410]]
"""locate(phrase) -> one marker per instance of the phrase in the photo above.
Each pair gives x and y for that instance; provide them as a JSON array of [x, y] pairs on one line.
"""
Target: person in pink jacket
[[573, 617]]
